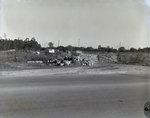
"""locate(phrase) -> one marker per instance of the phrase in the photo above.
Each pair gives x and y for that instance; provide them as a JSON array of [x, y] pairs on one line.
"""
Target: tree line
[[32, 44], [19, 44], [103, 49], [146, 49]]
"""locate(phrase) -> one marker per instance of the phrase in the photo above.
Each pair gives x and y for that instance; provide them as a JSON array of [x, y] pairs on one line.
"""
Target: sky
[[93, 22]]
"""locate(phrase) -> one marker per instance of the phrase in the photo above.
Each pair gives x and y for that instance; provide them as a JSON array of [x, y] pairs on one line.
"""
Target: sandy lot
[[96, 69]]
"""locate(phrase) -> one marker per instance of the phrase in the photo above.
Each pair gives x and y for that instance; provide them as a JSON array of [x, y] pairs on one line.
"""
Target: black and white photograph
[[74, 58]]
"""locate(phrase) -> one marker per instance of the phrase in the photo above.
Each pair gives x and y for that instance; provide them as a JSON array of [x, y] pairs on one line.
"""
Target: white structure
[[51, 50], [79, 52]]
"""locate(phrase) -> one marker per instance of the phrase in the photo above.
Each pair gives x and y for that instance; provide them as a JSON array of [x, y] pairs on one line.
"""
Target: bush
[[137, 58], [7, 56], [132, 58]]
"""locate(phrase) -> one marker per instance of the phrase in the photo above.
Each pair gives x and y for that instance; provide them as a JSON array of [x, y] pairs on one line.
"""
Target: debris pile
[[91, 58]]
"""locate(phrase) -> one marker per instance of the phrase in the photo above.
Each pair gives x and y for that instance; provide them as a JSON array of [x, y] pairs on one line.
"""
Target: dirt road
[[99, 69]]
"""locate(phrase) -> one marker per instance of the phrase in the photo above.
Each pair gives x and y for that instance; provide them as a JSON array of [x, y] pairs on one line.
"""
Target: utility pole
[[5, 36], [79, 43], [58, 42], [118, 55]]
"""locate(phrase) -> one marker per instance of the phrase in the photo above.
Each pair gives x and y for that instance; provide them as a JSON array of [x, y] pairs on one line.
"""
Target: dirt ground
[[95, 69]]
